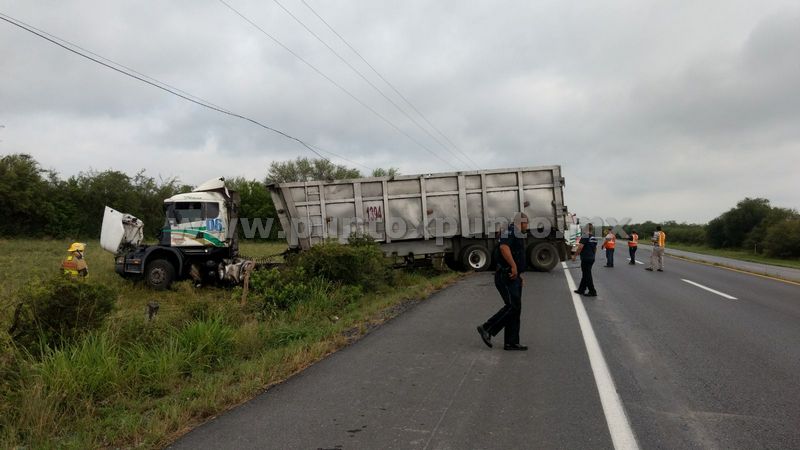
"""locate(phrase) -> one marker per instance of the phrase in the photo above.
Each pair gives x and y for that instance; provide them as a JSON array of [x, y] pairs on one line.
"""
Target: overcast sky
[[655, 110]]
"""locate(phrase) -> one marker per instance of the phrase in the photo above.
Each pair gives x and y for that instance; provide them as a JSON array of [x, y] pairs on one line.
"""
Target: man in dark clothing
[[586, 248], [510, 260]]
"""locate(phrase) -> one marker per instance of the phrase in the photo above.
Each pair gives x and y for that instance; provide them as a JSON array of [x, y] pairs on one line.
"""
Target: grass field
[[135, 383], [742, 255]]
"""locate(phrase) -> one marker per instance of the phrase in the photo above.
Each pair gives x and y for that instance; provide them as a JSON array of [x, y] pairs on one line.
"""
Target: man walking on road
[[609, 242], [510, 260], [586, 248], [633, 245], [657, 257]]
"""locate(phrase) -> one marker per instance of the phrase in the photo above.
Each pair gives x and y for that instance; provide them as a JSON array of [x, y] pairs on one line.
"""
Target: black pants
[[508, 316], [586, 277], [632, 250], [610, 257]]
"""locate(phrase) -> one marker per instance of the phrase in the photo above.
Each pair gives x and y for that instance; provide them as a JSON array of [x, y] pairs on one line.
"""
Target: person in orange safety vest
[[609, 242], [74, 264], [633, 245]]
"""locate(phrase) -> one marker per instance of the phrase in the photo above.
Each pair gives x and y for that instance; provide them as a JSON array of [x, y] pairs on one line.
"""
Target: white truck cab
[[197, 241]]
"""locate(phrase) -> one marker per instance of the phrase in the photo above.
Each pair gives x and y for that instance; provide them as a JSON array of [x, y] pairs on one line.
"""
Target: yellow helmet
[[77, 247]]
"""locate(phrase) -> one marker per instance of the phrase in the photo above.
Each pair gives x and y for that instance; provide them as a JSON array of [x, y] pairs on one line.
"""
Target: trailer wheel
[[159, 274], [476, 257], [452, 263], [543, 256]]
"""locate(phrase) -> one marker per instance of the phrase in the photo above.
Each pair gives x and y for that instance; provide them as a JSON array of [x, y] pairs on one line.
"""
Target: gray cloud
[[655, 111]]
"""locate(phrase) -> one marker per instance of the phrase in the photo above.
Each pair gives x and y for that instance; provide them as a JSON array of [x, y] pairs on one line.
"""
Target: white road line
[[637, 261], [618, 425], [721, 294]]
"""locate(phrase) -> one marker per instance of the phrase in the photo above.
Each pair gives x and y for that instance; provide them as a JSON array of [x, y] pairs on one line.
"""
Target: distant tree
[[715, 233], [23, 196], [756, 237], [782, 239], [255, 202], [732, 227], [305, 169], [390, 172]]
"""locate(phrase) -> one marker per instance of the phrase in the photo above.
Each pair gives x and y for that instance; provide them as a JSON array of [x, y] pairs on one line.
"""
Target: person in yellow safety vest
[[609, 242], [633, 244], [74, 264], [657, 257]]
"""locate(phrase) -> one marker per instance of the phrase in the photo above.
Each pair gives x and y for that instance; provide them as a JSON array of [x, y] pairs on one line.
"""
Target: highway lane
[[693, 368], [425, 380]]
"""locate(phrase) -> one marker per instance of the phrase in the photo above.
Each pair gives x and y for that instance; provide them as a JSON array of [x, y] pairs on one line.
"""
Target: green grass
[[742, 255], [140, 383]]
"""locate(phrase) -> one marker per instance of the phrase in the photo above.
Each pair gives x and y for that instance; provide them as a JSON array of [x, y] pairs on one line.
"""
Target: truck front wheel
[[159, 274], [543, 256]]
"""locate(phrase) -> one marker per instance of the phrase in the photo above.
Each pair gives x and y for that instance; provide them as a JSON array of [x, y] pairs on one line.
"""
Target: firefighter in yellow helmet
[[74, 264]]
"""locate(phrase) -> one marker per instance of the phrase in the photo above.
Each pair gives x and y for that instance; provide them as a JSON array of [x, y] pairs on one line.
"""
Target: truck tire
[[159, 274], [452, 263], [543, 256], [476, 257]]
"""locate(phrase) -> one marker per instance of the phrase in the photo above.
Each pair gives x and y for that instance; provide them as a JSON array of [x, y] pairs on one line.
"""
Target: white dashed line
[[721, 294], [618, 425], [637, 261]]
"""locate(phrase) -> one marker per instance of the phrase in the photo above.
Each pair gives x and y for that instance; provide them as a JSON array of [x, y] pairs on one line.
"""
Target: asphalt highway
[[697, 357]]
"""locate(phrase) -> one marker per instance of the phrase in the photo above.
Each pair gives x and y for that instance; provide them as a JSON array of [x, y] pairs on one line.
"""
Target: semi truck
[[411, 217]]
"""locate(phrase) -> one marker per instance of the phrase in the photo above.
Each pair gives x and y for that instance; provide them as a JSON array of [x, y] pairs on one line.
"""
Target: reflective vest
[[610, 243], [74, 266], [634, 240], [659, 238]]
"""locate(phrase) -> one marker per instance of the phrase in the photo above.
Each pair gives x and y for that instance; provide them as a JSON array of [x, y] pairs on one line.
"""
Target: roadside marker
[[618, 425], [722, 294]]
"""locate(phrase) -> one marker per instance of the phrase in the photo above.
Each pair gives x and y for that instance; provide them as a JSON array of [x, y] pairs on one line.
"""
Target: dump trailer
[[457, 214]]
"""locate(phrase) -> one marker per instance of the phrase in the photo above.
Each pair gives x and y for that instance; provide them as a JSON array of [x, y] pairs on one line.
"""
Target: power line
[[66, 45], [322, 74], [387, 82], [361, 75]]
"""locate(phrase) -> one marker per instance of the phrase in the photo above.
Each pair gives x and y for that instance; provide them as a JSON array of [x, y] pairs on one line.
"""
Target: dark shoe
[[632, 263], [578, 292], [649, 268], [660, 270], [592, 294], [607, 266], [487, 338], [516, 347]]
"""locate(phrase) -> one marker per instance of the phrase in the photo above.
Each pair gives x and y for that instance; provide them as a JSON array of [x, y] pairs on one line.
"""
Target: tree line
[[753, 224], [37, 202]]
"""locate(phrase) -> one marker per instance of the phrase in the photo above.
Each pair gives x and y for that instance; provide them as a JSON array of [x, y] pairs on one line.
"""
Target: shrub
[[783, 239], [59, 310], [279, 289], [360, 264]]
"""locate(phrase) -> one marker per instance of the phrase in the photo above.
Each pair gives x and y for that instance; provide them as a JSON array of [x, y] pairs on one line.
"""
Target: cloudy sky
[[655, 110]]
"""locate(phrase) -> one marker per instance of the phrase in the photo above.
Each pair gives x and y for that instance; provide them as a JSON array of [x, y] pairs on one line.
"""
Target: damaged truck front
[[198, 240]]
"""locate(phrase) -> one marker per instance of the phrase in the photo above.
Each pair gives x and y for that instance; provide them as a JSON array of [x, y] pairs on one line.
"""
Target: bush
[[59, 310], [783, 239], [360, 264]]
